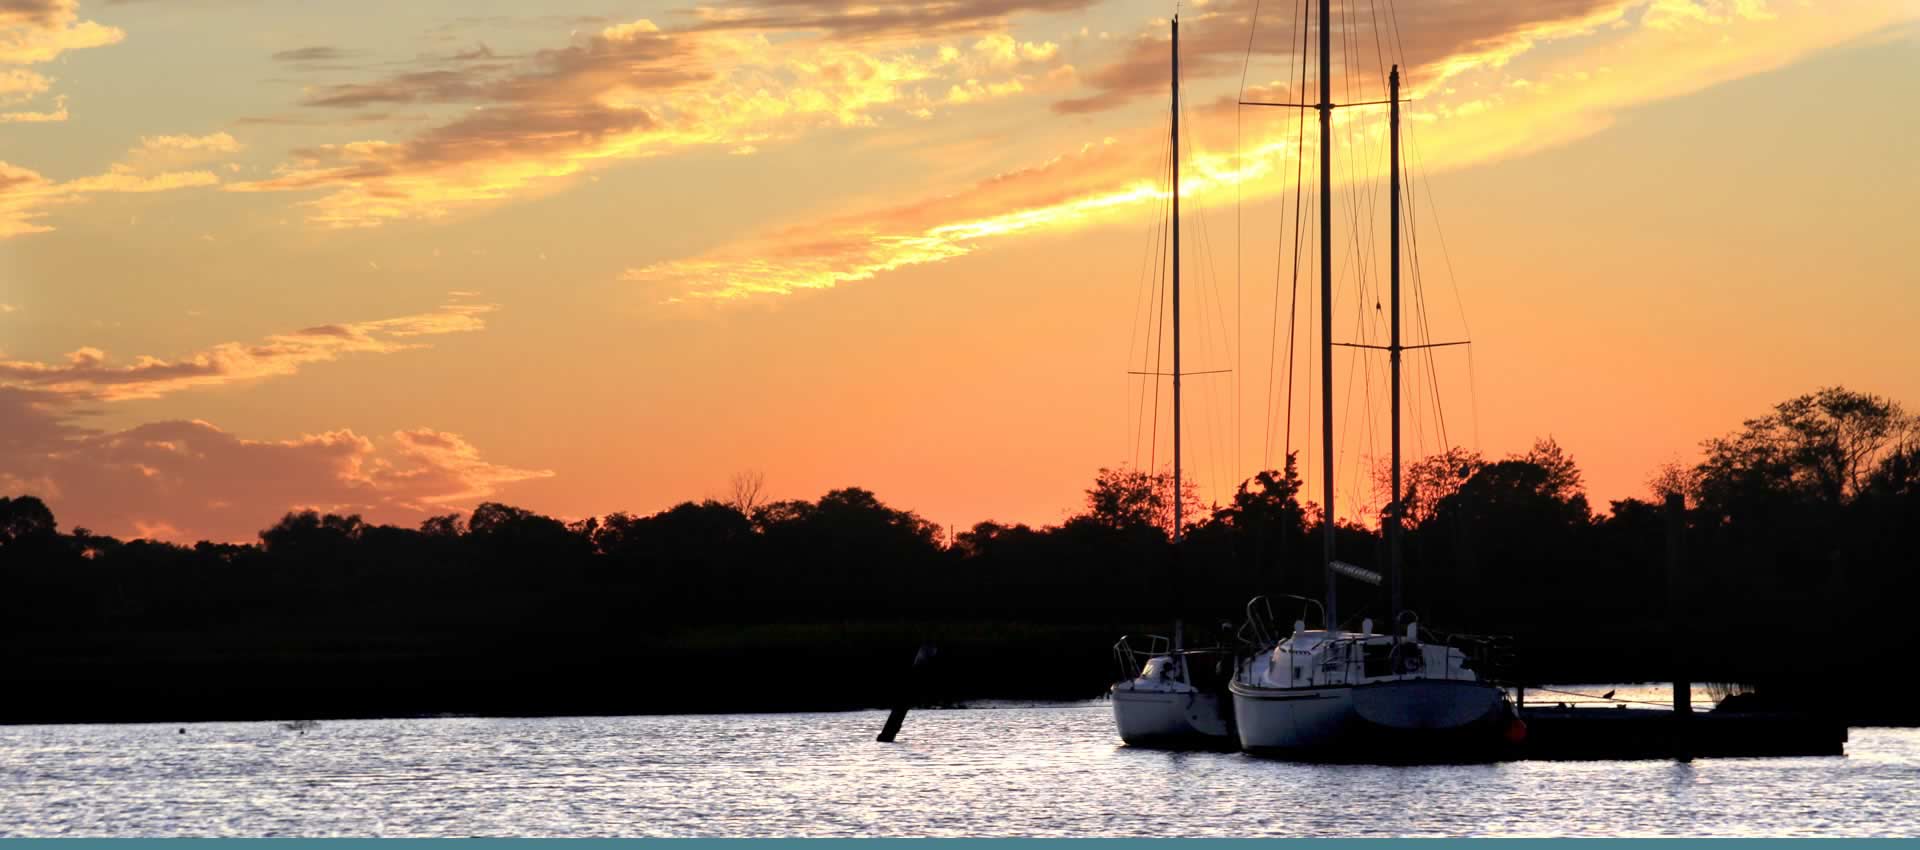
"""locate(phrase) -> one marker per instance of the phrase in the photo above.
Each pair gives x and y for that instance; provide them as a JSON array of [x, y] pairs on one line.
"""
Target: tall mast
[[1177, 506], [1393, 345], [1325, 106]]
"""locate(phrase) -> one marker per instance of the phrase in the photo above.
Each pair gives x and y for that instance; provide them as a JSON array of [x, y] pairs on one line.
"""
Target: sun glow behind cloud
[[396, 164], [633, 91], [1474, 107]]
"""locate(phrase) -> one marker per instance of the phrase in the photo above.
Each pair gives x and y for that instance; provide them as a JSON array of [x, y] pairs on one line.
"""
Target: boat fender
[[1516, 730]]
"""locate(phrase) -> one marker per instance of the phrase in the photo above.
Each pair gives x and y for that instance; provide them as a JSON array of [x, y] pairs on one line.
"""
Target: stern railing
[[1133, 659]]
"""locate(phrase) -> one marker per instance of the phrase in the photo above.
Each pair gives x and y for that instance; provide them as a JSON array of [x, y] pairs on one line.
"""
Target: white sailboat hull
[[1426, 705], [1406, 720], [1189, 719], [1288, 720]]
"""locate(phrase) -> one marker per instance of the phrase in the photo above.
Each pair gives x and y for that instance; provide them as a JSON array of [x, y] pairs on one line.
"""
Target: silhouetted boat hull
[[1176, 702], [1416, 720], [1170, 720]]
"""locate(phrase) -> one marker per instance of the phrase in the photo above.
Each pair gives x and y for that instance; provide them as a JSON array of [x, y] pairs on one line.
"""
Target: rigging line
[[1379, 53], [1393, 17], [1440, 414], [1160, 344], [1313, 328], [1273, 339], [1140, 303], [1214, 426], [1423, 327], [1296, 81], [1363, 386], [1153, 258], [1218, 427], [1248, 62], [1299, 192], [1227, 437], [1305, 252], [1279, 251], [1452, 279], [1239, 247], [1399, 47], [1350, 204], [1147, 321]]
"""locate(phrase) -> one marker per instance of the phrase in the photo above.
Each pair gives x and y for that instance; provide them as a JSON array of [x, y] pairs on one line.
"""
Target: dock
[[1591, 733]]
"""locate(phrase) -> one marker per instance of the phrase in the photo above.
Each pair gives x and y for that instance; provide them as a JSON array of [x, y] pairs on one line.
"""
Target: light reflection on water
[[1032, 771]]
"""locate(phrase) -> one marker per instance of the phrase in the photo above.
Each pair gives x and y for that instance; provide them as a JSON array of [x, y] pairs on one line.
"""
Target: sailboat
[[1361, 695], [1173, 696]]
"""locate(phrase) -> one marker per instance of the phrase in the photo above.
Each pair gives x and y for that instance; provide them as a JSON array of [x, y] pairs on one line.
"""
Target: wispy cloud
[[628, 91], [34, 32], [88, 373], [190, 479], [1115, 179], [876, 22], [216, 143], [26, 195], [316, 53], [1437, 40], [1090, 185], [57, 113]]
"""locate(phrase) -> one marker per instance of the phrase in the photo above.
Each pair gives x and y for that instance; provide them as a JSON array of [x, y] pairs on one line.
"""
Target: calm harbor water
[[1012, 771]]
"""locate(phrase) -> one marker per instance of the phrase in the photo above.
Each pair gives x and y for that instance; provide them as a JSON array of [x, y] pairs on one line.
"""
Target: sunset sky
[[400, 258]]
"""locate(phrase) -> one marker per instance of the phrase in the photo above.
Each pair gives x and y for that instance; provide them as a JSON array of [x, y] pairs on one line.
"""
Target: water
[[1026, 771]]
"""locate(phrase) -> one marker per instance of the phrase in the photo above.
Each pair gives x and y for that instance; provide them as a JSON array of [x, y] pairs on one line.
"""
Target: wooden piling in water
[[1677, 626], [910, 689]]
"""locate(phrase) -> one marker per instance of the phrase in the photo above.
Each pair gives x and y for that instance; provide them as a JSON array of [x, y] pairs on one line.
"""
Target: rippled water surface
[[1041, 771]]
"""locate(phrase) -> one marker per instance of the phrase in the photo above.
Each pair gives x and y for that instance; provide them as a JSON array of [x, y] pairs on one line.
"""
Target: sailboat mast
[[1325, 107], [1177, 506], [1178, 637], [1393, 345]]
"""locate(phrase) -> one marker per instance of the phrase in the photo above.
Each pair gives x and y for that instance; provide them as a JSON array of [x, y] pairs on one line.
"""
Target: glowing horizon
[[588, 263]]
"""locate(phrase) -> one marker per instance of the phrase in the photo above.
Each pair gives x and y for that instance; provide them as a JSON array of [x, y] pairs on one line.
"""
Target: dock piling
[[1677, 626], [909, 692]]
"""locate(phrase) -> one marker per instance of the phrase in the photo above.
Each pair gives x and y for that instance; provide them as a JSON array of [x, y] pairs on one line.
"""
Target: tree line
[[1800, 532]]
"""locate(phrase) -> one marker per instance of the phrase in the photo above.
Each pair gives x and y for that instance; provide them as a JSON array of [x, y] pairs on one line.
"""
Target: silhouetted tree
[[24, 519], [747, 488], [444, 526], [1124, 499], [1429, 480], [1814, 507], [1818, 447]]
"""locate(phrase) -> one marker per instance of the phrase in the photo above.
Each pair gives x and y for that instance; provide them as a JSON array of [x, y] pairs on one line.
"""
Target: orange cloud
[[203, 482], [180, 150], [1449, 129], [58, 113], [883, 21], [18, 85], [33, 32], [88, 374], [1087, 186], [26, 195], [1435, 40], [629, 91], [190, 480]]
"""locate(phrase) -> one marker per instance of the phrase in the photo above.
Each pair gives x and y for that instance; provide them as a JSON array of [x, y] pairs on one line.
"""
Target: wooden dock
[[1575, 733]]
